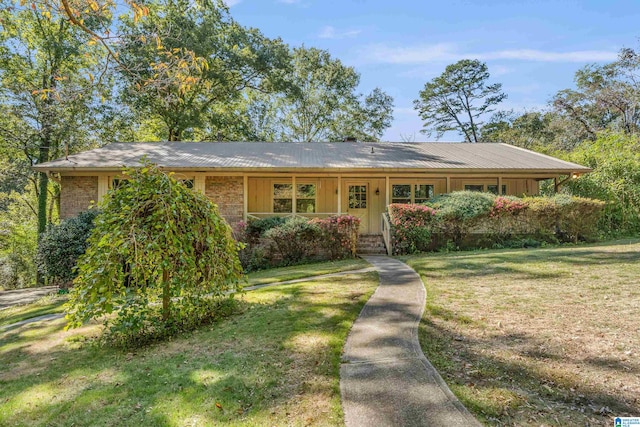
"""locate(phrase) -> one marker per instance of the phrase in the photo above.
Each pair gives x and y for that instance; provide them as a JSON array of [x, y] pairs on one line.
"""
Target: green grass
[[283, 274], [537, 337], [45, 305], [49, 305], [274, 363]]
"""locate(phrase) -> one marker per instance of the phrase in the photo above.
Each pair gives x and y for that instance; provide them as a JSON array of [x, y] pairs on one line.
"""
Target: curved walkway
[[385, 379]]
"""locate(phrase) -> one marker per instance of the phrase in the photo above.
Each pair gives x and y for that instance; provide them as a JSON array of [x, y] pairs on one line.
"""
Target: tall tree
[[186, 57], [46, 87], [321, 102], [458, 99], [606, 96]]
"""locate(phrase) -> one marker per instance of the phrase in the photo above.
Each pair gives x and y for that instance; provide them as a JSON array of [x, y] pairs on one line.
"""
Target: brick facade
[[76, 194], [227, 193]]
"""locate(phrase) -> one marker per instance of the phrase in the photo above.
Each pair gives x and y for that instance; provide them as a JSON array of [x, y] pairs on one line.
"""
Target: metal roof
[[346, 156]]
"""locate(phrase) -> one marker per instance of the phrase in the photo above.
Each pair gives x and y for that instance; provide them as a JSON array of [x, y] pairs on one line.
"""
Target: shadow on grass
[[467, 265], [261, 366], [498, 390]]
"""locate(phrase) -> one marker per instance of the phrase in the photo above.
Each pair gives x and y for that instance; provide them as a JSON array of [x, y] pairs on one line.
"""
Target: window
[[401, 193], [474, 187], [282, 198], [357, 197], [422, 193], [494, 189], [407, 193], [187, 182], [306, 198], [118, 182]]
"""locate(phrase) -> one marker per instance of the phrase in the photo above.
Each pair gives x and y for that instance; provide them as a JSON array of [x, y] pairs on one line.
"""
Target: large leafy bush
[[160, 259], [61, 245], [615, 160], [338, 235], [412, 226], [295, 240], [477, 220], [457, 212]]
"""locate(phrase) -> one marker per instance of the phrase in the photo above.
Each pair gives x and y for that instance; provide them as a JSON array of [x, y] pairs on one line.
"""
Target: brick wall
[[226, 192], [76, 194]]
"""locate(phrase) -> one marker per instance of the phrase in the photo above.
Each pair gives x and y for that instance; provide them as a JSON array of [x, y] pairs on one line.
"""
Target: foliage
[[321, 103], [462, 206], [411, 226], [457, 99], [256, 228], [61, 245], [295, 240], [507, 206], [477, 220], [47, 91], [18, 240], [339, 235], [615, 160], [607, 96], [160, 258], [185, 58]]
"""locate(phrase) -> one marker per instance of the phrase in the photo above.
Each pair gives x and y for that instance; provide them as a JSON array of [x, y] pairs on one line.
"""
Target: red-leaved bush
[[339, 235], [410, 224], [504, 206]]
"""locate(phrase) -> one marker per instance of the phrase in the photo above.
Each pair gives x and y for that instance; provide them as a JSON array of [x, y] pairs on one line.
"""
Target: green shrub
[[257, 227], [411, 226], [295, 240], [567, 218], [615, 160], [61, 245], [160, 258], [338, 235], [457, 212]]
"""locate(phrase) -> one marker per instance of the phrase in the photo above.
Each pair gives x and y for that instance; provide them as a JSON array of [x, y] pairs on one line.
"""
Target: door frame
[[366, 217]]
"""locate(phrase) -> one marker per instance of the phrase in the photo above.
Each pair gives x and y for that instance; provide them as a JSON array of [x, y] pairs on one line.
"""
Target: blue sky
[[532, 47]]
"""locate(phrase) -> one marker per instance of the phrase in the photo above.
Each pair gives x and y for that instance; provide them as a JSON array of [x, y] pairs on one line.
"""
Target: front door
[[358, 203]]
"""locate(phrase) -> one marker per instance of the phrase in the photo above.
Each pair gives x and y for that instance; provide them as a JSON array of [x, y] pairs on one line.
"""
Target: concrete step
[[371, 244]]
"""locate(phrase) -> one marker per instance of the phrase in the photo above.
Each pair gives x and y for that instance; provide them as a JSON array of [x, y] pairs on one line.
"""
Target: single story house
[[258, 179]]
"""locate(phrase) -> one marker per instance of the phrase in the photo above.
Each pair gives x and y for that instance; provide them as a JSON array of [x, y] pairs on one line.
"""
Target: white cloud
[[446, 52], [231, 3], [330, 32]]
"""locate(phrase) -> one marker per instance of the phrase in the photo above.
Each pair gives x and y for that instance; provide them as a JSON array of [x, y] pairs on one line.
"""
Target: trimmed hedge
[[276, 241], [411, 225], [477, 220]]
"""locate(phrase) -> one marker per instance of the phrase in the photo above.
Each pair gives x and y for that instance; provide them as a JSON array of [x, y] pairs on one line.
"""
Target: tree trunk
[[166, 295]]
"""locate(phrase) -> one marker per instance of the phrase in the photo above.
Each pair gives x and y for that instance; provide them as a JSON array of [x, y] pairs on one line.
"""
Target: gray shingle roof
[[295, 156]]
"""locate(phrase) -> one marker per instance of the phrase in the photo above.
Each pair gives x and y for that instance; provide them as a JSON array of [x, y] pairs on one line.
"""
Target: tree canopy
[[160, 254], [457, 100]]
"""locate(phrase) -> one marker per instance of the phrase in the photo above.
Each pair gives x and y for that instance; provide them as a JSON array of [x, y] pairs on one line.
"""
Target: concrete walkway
[[385, 379], [24, 296]]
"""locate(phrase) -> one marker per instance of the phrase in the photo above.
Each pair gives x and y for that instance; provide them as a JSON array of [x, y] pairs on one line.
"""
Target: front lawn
[[537, 337], [54, 304], [275, 363]]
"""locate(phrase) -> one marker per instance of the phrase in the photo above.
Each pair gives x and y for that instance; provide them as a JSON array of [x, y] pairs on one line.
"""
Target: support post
[[339, 194], [387, 191], [245, 196], [294, 195]]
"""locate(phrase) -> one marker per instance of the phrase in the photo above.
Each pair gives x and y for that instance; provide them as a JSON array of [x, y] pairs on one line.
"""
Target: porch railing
[[386, 234], [260, 215]]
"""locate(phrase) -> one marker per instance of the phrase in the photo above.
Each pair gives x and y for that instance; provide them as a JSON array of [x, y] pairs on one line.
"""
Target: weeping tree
[[160, 257]]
